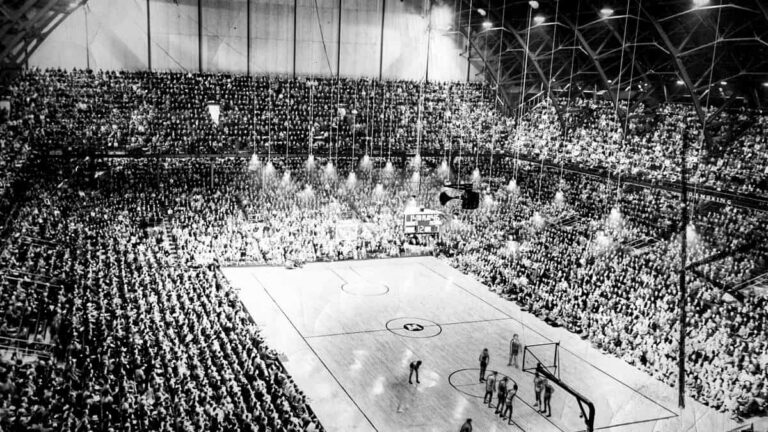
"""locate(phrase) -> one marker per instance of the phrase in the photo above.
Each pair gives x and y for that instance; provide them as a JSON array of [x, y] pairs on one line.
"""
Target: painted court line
[[315, 353], [425, 326]]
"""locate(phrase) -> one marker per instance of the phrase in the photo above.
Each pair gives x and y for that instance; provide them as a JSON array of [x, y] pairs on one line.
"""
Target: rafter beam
[[507, 29], [542, 77], [594, 58], [681, 69], [35, 21]]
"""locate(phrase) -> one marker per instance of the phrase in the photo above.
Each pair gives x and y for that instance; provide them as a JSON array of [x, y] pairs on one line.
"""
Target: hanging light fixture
[[330, 171], [559, 198], [416, 161], [488, 200], [614, 218], [411, 203], [602, 240], [286, 181], [365, 163], [351, 180], [512, 187], [691, 235], [255, 163], [269, 170], [415, 180], [378, 191], [537, 220], [307, 193], [443, 170]]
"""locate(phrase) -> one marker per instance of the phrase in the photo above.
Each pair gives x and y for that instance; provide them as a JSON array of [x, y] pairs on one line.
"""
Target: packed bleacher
[[109, 271]]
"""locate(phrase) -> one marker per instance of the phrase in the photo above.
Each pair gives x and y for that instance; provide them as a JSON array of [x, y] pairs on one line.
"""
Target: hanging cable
[[311, 114], [522, 94], [498, 84], [549, 83], [322, 38], [573, 58], [269, 120], [621, 62], [632, 70], [554, 37], [338, 118], [712, 61], [709, 93], [498, 59], [354, 125], [287, 133]]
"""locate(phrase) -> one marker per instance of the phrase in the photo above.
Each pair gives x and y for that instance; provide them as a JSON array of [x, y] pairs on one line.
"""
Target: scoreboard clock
[[422, 221]]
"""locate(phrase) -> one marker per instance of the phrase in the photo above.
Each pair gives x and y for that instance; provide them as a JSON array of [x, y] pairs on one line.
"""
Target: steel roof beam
[[681, 69], [593, 57], [532, 60]]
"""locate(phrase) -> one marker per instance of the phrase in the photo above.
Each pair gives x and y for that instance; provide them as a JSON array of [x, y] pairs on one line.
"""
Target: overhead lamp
[[765, 84], [534, 4], [680, 82], [487, 24], [723, 83], [539, 19], [606, 12], [700, 3], [481, 11]]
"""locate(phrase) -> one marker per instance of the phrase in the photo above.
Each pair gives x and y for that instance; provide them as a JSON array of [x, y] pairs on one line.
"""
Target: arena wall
[[212, 36]]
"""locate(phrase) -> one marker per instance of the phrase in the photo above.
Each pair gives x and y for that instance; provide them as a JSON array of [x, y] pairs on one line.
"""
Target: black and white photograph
[[383, 215]]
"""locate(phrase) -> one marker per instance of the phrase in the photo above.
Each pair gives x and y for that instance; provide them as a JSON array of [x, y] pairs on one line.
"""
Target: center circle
[[418, 328]]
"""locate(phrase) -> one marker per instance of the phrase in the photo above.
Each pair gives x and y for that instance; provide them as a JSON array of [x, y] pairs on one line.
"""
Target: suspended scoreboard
[[422, 221]]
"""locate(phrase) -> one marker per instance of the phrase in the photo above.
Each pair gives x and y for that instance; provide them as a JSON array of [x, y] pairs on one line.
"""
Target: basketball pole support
[[586, 406]]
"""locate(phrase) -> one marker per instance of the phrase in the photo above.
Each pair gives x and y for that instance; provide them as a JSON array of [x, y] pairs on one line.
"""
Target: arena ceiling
[[24, 24], [704, 52]]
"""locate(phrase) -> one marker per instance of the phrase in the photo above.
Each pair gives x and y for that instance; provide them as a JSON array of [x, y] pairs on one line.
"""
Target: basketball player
[[510, 398], [485, 358], [414, 369], [538, 386], [548, 390], [490, 383], [467, 426], [514, 350], [502, 393]]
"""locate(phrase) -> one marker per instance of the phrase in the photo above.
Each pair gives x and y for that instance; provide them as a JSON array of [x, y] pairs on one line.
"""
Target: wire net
[[545, 354]]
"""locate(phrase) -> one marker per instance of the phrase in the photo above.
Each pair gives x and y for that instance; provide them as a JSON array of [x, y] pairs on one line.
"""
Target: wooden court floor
[[347, 332]]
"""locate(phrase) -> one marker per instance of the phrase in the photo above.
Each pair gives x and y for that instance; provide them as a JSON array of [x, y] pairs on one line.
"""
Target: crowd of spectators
[[141, 340], [167, 113], [111, 263]]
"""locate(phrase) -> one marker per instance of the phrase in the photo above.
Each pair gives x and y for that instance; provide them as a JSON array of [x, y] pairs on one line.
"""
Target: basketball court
[[348, 330]]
